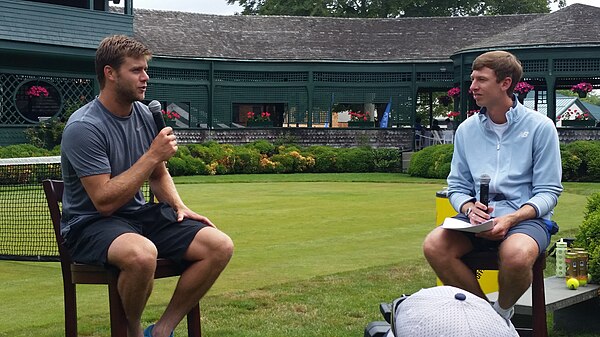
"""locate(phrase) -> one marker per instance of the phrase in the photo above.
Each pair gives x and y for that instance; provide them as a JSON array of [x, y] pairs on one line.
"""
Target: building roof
[[574, 25], [562, 104], [289, 38]]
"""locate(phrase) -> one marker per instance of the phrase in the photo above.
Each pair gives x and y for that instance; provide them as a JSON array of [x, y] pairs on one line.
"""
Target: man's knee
[[224, 248], [133, 252], [518, 257], [214, 245]]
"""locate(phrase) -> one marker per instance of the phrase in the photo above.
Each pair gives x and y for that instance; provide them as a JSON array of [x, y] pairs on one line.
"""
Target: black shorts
[[534, 228], [89, 241]]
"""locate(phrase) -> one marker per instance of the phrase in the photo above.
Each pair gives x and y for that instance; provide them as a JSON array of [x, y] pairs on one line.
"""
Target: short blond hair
[[113, 50], [504, 64]]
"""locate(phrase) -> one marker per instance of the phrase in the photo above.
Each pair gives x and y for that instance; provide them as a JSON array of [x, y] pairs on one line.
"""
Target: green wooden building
[[214, 69]]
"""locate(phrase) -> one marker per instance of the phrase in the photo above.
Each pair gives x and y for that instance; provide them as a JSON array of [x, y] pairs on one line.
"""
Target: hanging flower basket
[[454, 92], [522, 89], [445, 100], [582, 89]]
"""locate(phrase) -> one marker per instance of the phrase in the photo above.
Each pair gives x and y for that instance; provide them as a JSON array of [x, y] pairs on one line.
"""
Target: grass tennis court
[[315, 254]]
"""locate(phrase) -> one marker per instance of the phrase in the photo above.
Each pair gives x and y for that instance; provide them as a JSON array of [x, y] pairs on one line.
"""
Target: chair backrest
[[54, 193]]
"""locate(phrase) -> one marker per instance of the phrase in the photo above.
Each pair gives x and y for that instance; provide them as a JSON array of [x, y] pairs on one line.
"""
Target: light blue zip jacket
[[524, 164]]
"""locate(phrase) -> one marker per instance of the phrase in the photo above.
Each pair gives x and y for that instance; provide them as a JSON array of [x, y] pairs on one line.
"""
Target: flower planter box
[[259, 124], [361, 124], [578, 123], [171, 123]]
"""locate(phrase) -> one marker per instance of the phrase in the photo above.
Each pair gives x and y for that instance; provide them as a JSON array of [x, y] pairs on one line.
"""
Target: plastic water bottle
[[561, 252]]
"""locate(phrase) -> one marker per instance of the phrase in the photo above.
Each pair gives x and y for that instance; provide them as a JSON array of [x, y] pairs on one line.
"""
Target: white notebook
[[451, 223]]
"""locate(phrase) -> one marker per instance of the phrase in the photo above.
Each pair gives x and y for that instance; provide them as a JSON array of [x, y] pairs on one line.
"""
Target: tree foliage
[[393, 8]]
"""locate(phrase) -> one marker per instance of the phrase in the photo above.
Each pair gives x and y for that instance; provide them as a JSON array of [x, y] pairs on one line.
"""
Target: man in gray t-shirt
[[110, 148]]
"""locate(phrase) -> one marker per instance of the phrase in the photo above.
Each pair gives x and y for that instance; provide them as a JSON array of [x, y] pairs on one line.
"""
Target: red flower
[[453, 114], [37, 91], [523, 87], [582, 87], [170, 115], [359, 116], [454, 92]]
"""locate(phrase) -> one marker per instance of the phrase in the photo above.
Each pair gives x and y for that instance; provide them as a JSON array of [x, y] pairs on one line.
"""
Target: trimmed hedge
[[432, 162], [263, 157], [580, 161]]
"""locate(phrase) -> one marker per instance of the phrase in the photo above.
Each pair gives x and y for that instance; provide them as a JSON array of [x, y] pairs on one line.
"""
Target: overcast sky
[[221, 6]]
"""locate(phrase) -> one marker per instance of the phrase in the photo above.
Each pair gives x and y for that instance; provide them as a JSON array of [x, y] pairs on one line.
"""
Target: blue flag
[[386, 115]]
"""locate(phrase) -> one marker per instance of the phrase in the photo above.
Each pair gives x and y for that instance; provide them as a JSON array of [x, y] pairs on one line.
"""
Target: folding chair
[[489, 261], [76, 273]]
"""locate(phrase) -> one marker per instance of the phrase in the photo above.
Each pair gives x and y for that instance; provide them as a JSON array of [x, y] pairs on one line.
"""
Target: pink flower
[[573, 114], [359, 116], [37, 91], [583, 87], [170, 115], [453, 114], [454, 92], [523, 87]]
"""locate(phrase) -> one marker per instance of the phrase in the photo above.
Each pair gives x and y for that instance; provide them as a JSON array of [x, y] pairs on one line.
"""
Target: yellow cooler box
[[488, 279]]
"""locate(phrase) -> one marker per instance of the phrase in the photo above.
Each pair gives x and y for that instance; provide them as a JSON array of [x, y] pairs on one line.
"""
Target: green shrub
[[581, 161], [432, 162], [325, 158], [292, 162], [588, 236], [26, 150], [355, 160], [593, 204], [387, 160], [246, 160], [186, 166], [263, 147], [570, 165], [48, 134]]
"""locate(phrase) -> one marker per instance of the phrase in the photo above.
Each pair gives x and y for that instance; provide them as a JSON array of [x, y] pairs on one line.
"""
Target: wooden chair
[[489, 261], [76, 273]]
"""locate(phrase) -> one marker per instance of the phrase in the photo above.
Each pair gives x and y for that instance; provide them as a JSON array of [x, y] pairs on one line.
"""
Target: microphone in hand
[[156, 110], [484, 189]]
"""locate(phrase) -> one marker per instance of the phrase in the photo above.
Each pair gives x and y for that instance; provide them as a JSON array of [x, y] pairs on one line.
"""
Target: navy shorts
[[89, 242], [534, 228]]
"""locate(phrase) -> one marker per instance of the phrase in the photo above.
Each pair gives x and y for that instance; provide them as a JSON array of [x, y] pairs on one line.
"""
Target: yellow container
[[488, 279]]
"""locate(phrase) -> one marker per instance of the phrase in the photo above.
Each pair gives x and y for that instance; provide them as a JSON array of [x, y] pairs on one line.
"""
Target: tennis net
[[25, 228], [26, 232]]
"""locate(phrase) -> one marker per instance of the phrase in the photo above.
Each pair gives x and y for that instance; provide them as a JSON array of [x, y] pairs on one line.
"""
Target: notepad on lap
[[451, 223]]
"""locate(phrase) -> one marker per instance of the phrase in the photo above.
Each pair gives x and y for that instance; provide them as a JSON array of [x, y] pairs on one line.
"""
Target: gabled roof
[[562, 104], [574, 25], [289, 38], [193, 35], [593, 109]]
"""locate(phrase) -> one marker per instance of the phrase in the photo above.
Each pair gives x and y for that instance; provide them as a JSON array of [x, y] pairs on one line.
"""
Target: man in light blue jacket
[[518, 149]]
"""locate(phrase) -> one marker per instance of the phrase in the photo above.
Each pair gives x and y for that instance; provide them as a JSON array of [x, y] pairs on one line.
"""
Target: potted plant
[[37, 91], [445, 100], [170, 118], [259, 120], [576, 118], [35, 94], [453, 115], [454, 92], [521, 89], [582, 89], [360, 120]]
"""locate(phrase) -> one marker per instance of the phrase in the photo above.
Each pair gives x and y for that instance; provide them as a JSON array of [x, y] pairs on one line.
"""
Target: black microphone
[[156, 110], [484, 189]]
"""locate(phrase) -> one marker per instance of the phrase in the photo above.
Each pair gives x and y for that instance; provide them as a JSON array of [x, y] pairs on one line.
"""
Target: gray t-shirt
[[97, 142]]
